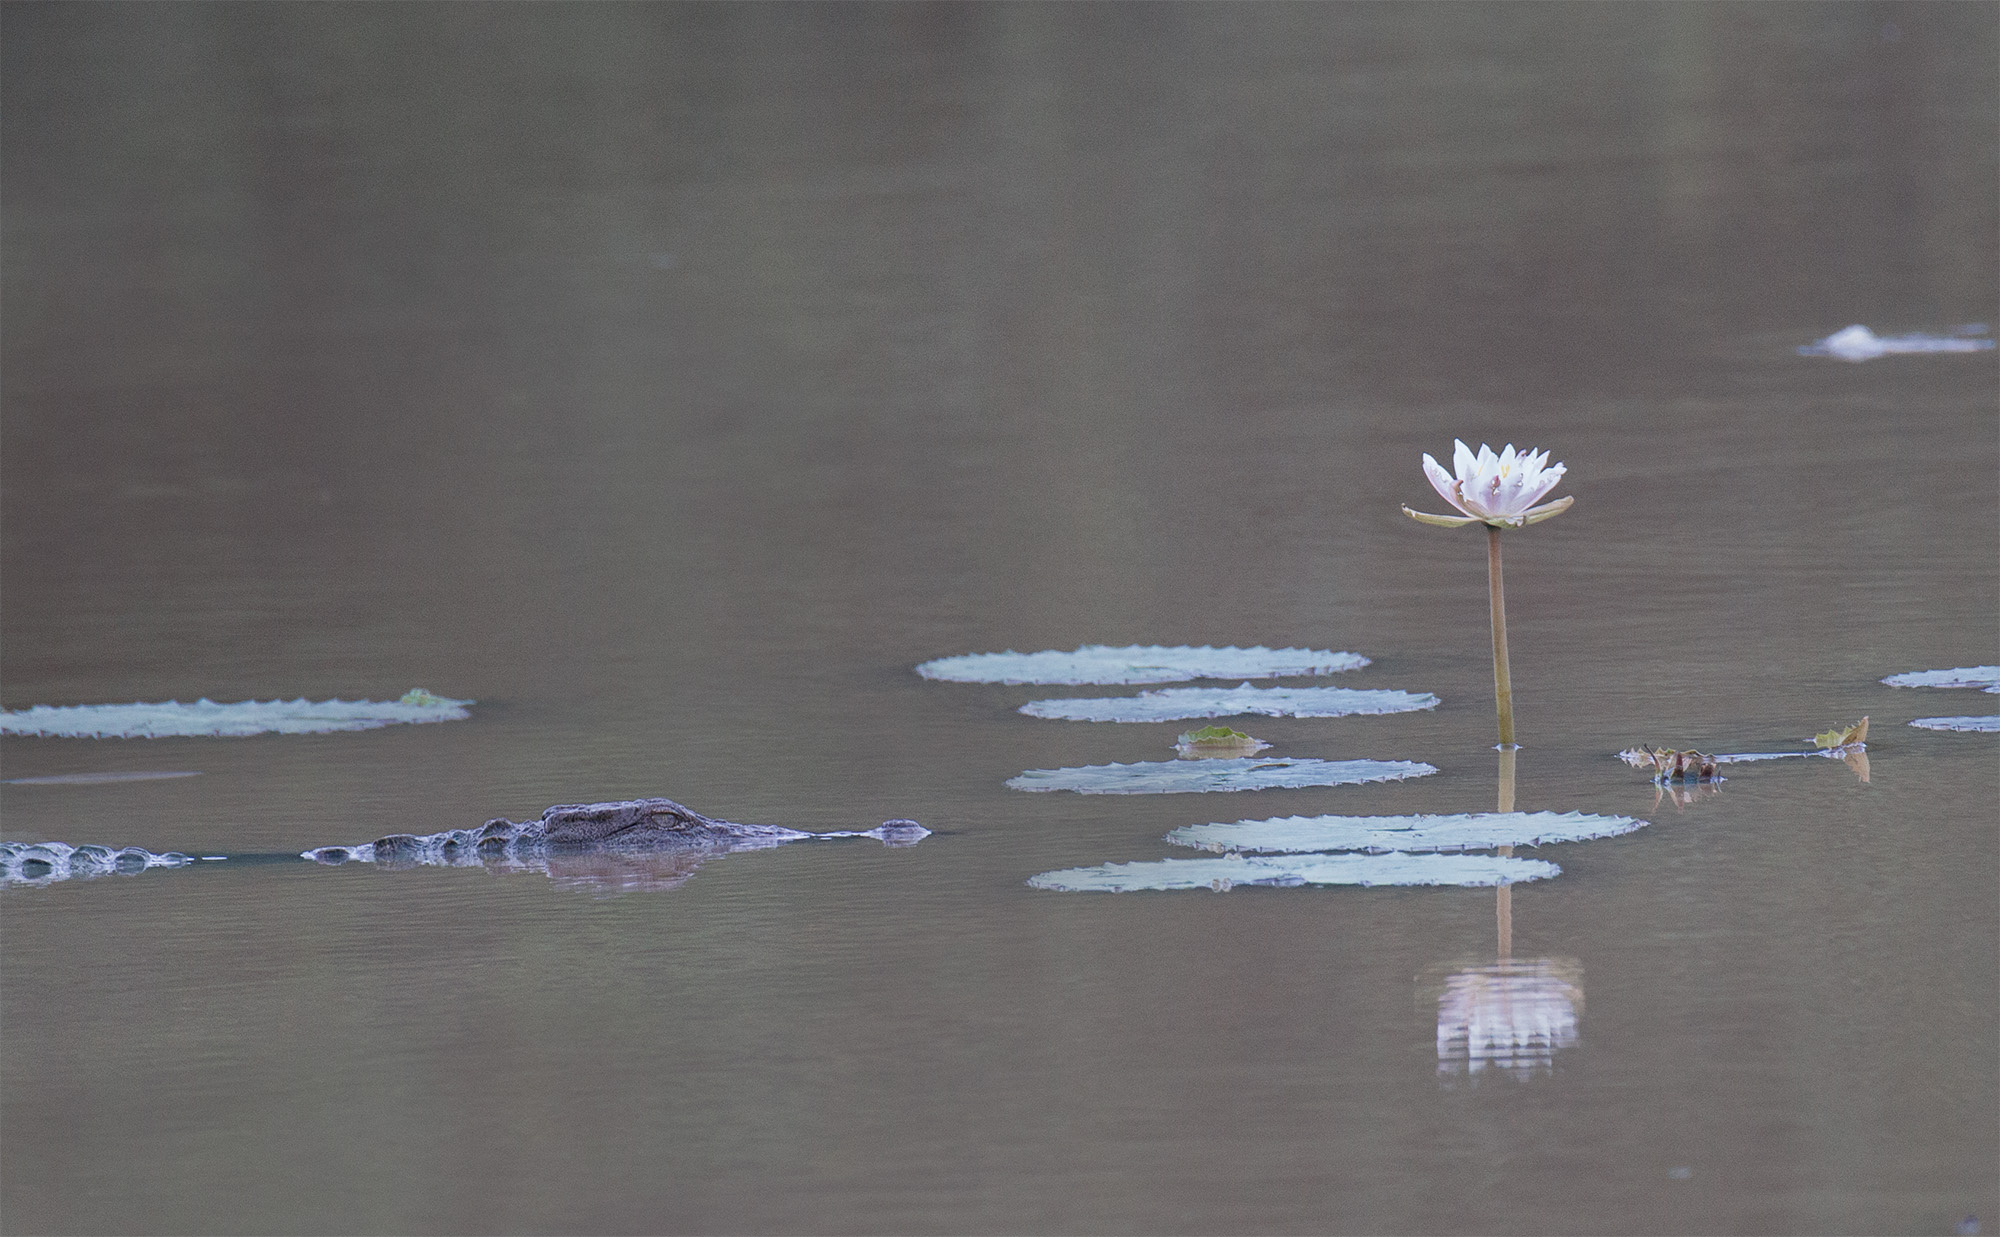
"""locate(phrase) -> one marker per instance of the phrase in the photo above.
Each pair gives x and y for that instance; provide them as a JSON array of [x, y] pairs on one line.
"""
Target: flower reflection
[[1512, 1015]]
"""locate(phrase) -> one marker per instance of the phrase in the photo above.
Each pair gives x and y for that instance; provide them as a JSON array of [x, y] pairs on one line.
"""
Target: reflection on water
[[673, 378], [1512, 1015]]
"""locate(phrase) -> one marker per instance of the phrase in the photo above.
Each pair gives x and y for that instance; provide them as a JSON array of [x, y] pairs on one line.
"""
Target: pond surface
[[672, 381]]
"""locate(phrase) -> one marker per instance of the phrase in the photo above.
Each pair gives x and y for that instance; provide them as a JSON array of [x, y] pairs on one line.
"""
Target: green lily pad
[[1186, 703], [205, 717], [1380, 834], [1169, 777], [1984, 724], [1229, 871], [1986, 678], [1103, 665]]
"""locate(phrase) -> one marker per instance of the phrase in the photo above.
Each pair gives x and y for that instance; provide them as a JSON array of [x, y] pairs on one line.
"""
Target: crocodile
[[626, 844]]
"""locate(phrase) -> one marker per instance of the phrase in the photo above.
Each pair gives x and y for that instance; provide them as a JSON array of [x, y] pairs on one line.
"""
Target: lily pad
[[1217, 743], [1988, 724], [1380, 834], [1171, 777], [1182, 703], [205, 717], [1229, 871], [1103, 665], [45, 863], [1986, 678]]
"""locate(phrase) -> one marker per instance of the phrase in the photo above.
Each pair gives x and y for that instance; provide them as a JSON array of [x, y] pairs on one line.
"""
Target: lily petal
[[1443, 483]]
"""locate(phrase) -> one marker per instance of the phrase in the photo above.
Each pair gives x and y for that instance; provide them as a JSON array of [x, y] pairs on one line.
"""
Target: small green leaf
[[1841, 736]]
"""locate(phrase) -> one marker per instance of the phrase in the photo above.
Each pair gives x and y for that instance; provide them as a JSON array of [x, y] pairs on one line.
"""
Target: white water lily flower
[[1500, 490]]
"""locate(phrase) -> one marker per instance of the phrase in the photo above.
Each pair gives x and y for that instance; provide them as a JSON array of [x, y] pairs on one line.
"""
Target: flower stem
[[1503, 683]]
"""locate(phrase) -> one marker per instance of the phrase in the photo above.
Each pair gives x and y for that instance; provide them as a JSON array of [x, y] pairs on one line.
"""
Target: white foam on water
[[1858, 343]]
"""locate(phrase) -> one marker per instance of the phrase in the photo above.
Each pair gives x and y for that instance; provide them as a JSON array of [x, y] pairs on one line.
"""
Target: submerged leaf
[[207, 718], [1230, 871], [1186, 703], [1841, 736], [1167, 777], [1988, 724], [1103, 665], [1474, 831], [99, 779], [1984, 677]]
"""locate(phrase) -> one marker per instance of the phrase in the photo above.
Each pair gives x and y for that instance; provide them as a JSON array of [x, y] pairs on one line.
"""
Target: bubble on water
[[1103, 665], [1172, 777]]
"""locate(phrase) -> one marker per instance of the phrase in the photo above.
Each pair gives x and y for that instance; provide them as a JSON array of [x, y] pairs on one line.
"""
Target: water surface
[[672, 381]]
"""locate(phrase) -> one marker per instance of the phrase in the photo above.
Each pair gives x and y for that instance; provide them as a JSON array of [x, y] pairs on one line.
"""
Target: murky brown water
[[671, 380]]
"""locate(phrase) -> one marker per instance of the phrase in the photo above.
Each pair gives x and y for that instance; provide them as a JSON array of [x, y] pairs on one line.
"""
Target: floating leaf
[[1214, 742], [1378, 834], [1984, 677], [207, 718], [1185, 703], [1169, 777], [97, 779], [1134, 663], [45, 863], [1971, 725], [1229, 871], [1841, 736]]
